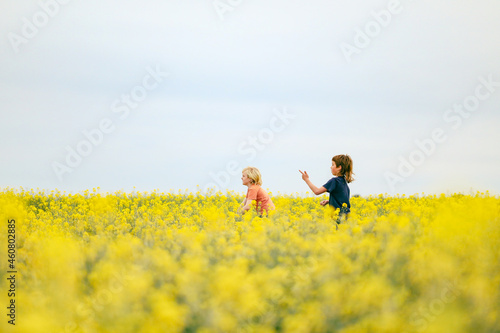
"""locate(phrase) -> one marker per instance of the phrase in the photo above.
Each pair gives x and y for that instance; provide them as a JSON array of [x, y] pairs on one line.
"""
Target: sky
[[182, 95]]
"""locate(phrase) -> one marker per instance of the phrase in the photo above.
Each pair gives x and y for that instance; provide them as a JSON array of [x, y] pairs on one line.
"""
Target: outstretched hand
[[305, 176], [323, 203]]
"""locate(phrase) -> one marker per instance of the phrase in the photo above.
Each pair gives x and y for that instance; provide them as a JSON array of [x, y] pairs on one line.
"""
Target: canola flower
[[164, 262]]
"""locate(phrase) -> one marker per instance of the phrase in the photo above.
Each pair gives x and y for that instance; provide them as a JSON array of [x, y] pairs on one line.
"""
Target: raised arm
[[316, 190]]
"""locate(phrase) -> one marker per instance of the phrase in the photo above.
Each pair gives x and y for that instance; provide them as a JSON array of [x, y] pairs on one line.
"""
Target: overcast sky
[[175, 94]]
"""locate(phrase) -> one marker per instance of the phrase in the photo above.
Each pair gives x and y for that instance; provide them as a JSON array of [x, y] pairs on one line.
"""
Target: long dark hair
[[345, 161]]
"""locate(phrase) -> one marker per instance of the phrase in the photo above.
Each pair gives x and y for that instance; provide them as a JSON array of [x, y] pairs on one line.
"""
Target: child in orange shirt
[[256, 195]]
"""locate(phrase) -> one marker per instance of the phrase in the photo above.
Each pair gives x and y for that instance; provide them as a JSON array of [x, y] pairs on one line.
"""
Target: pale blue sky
[[230, 71]]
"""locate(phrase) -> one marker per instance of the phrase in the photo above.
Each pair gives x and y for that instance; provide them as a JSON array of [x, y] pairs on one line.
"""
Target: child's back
[[337, 186]]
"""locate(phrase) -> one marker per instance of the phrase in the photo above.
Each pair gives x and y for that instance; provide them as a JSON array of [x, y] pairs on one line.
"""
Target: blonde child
[[256, 195], [337, 186]]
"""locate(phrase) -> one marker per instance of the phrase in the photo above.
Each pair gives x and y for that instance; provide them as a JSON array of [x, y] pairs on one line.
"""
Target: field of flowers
[[162, 262]]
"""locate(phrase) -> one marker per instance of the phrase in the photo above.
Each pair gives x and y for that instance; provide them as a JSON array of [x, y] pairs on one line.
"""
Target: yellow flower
[[176, 262]]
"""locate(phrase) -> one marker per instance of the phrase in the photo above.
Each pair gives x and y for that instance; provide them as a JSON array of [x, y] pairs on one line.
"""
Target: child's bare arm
[[316, 190], [245, 206], [240, 208]]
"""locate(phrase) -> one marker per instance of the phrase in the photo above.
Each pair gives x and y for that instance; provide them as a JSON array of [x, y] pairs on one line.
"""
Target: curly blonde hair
[[254, 174]]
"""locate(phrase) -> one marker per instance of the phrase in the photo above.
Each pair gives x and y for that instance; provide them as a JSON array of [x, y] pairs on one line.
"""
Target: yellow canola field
[[162, 262]]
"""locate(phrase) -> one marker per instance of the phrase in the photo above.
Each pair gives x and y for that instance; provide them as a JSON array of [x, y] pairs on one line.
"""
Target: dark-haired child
[[337, 186]]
